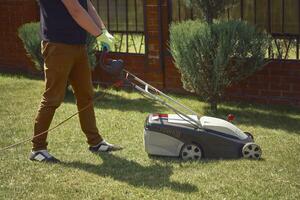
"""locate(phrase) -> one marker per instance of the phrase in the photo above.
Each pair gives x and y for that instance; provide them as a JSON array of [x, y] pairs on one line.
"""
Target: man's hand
[[105, 41]]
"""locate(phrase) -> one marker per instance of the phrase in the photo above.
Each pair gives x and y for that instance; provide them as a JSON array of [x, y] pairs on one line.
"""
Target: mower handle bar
[[160, 92], [146, 91]]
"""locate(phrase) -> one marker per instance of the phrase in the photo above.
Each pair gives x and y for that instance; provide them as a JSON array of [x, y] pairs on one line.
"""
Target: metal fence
[[125, 20], [281, 18]]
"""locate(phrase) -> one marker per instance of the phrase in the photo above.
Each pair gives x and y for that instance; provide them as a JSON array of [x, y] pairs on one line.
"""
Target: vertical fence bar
[[255, 12], [145, 27], [116, 14], [179, 9], [242, 9], [127, 44], [108, 13], [283, 17], [228, 14], [269, 25], [269, 17], [298, 38], [136, 19], [297, 48], [170, 9], [281, 48]]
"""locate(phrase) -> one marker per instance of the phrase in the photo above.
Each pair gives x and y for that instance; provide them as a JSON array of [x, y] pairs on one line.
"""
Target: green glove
[[105, 40]]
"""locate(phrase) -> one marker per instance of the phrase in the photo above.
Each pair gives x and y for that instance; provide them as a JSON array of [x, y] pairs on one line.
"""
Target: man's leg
[[58, 62], [80, 79]]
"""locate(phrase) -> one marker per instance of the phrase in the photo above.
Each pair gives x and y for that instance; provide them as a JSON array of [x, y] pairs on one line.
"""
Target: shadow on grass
[[261, 115], [272, 117], [131, 172], [111, 101], [202, 161]]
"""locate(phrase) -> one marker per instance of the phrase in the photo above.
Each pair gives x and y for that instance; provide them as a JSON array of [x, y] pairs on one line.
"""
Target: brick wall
[[276, 83], [14, 13]]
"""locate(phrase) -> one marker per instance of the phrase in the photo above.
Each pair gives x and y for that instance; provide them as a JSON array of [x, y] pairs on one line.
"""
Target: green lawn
[[131, 174]]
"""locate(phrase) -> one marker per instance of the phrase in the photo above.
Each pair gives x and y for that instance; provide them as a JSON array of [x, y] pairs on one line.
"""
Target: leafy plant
[[212, 57], [30, 35]]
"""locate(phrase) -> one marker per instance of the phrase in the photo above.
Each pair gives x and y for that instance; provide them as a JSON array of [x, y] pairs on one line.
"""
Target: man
[[64, 27]]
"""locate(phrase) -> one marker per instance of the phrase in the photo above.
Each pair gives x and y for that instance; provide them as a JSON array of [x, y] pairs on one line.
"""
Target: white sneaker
[[42, 156], [104, 147]]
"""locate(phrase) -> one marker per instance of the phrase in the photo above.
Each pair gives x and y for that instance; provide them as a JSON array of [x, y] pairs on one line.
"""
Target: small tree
[[213, 56], [30, 35]]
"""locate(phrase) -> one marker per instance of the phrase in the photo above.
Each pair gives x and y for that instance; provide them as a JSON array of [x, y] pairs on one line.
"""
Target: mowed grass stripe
[[131, 174]]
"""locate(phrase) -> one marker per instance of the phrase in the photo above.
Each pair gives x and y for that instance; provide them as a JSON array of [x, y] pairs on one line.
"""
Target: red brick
[[256, 86], [280, 72], [252, 92], [269, 93], [295, 88], [284, 87], [272, 78], [291, 79], [291, 94], [280, 101]]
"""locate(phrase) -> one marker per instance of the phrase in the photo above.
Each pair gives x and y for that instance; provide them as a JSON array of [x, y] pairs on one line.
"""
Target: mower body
[[166, 134]]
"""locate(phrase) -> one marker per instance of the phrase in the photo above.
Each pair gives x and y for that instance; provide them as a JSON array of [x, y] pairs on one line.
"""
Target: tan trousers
[[65, 63]]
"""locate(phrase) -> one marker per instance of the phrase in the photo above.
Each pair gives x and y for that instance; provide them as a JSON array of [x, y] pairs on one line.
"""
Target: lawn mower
[[188, 136]]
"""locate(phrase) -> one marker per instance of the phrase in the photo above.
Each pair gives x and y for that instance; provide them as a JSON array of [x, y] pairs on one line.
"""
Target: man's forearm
[[94, 15], [82, 17]]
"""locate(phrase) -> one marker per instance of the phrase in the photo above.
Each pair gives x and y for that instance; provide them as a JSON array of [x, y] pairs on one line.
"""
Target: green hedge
[[30, 35]]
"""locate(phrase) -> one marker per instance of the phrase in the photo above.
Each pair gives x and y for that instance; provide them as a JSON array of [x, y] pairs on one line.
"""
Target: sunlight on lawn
[[130, 173]]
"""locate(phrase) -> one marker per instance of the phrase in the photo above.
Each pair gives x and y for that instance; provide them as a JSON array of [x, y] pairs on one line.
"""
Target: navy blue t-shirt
[[57, 25]]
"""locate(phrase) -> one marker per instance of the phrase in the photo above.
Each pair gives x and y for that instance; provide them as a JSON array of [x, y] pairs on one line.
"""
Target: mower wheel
[[251, 151], [191, 152]]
